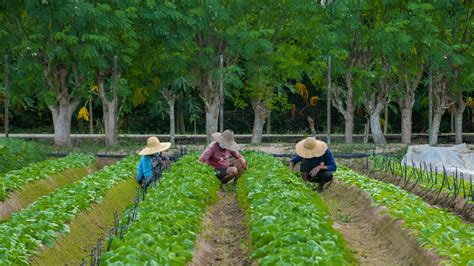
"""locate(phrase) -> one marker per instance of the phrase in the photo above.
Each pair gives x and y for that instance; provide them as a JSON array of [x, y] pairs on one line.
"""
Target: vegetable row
[[15, 179], [25, 231], [169, 219], [434, 228], [15, 153], [288, 221]]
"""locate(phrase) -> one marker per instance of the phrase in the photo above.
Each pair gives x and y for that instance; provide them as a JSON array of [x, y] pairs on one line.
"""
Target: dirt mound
[[225, 235], [373, 236]]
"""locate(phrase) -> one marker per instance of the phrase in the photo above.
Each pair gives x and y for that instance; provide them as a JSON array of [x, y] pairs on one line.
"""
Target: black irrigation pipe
[[338, 155], [121, 226]]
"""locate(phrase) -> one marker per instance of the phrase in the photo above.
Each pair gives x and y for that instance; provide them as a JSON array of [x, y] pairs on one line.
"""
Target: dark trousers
[[322, 176]]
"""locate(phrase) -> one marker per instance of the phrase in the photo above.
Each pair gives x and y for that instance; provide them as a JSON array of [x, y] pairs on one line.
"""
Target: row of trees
[[275, 54]]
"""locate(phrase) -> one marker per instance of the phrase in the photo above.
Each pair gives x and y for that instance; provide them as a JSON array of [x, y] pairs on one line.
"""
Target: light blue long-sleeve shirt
[[145, 168]]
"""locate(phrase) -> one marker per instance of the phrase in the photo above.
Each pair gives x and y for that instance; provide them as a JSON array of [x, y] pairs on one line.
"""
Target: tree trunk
[[349, 127], [109, 114], [406, 125], [436, 123], [212, 115], [261, 112], [374, 105], [344, 103], [170, 99], [376, 129], [209, 93], [269, 122], [441, 99], [181, 124], [64, 106], [172, 124], [311, 125], [458, 109], [62, 115]]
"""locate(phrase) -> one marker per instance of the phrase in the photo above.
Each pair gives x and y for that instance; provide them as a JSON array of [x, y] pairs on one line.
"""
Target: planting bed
[[39, 224], [15, 179], [434, 228], [169, 219], [288, 222]]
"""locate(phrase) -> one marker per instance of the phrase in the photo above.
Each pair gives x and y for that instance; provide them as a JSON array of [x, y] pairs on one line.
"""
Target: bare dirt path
[[373, 237], [225, 236]]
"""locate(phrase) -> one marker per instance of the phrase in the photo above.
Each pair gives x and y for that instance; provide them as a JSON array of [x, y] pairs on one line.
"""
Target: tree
[[53, 44]]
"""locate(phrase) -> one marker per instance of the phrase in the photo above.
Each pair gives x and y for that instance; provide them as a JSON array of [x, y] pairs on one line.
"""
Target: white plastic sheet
[[454, 157]]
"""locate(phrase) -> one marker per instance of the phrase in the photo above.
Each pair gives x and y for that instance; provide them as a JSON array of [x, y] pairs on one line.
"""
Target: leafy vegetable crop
[[41, 222], [169, 219], [289, 224], [434, 228], [15, 179], [15, 154]]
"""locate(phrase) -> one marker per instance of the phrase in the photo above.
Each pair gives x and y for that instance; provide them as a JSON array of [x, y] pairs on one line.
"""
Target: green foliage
[[434, 228], [288, 222], [25, 231], [169, 219], [15, 154], [15, 179]]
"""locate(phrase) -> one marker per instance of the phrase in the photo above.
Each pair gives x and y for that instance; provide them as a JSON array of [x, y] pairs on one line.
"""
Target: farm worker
[[317, 162], [150, 164], [217, 155]]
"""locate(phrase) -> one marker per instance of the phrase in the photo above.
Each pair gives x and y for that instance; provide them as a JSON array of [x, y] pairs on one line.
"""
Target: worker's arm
[[296, 159], [330, 164], [240, 159], [206, 154], [140, 170]]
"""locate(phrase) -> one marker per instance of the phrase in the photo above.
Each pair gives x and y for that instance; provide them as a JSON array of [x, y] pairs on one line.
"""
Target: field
[[82, 210]]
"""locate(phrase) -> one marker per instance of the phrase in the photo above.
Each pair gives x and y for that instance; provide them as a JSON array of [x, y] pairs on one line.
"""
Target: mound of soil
[[225, 235], [373, 236]]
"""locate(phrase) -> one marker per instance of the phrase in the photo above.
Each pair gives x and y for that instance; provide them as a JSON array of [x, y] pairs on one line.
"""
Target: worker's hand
[[314, 171], [291, 166], [241, 163], [322, 166]]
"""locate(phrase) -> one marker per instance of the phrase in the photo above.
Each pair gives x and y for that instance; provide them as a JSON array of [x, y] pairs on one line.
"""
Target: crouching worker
[[317, 162], [150, 166], [217, 155]]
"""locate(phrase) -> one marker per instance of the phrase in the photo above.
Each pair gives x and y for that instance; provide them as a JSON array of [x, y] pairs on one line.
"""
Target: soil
[[372, 235], [457, 206], [225, 236]]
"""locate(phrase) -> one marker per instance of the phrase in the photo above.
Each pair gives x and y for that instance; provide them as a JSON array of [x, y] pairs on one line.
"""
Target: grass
[[87, 227]]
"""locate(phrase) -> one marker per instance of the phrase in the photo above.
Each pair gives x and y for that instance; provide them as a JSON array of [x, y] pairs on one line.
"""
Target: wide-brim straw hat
[[153, 145], [226, 140], [310, 148]]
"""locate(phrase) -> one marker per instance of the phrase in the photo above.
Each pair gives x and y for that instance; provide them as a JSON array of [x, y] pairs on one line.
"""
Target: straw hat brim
[[318, 151], [152, 150], [232, 146]]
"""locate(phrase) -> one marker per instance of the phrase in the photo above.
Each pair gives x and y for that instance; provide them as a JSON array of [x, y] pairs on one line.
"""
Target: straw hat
[[310, 147], [153, 145], [226, 140]]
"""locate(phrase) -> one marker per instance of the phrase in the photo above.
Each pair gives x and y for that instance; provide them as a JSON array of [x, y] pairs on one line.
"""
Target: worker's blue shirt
[[326, 158], [145, 168]]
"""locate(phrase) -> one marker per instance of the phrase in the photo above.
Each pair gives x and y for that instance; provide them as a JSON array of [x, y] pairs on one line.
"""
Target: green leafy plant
[[15, 154], [41, 222], [434, 228], [288, 221], [15, 179], [169, 219]]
